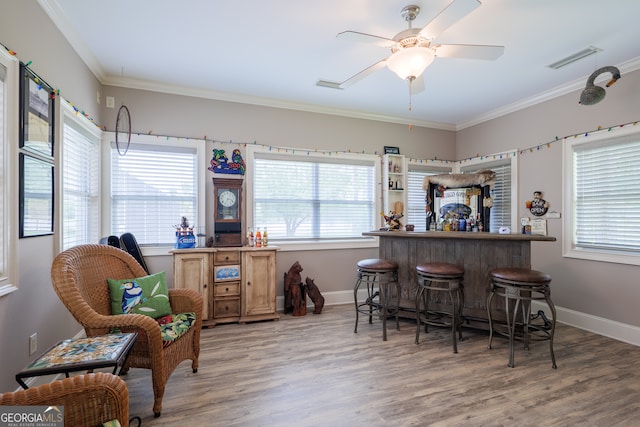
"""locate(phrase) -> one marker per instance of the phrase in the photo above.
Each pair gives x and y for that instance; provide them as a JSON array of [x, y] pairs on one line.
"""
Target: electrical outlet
[[33, 343], [111, 102]]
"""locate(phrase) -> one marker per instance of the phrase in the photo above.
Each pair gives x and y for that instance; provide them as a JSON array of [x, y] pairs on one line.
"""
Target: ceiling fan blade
[[455, 11], [353, 79], [469, 51], [366, 38]]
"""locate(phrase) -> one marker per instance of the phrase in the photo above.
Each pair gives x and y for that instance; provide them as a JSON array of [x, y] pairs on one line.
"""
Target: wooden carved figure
[[294, 299], [315, 296]]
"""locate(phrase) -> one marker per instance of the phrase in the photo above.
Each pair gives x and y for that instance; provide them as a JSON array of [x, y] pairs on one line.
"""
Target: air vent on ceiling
[[575, 57]]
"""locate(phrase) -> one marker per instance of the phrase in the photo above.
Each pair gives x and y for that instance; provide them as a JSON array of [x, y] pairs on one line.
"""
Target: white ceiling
[[273, 52]]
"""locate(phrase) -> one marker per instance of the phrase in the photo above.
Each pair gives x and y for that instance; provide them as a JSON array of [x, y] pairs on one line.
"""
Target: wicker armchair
[[79, 277], [88, 400]]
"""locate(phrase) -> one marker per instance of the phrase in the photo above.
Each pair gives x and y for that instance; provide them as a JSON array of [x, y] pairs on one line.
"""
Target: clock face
[[227, 198]]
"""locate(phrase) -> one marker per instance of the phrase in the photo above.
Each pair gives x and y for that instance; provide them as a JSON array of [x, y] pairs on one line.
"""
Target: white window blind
[[152, 187], [416, 196], [308, 198], [80, 185], [606, 195], [501, 193]]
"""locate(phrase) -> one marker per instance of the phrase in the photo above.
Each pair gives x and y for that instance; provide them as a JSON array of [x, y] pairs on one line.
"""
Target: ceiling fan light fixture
[[410, 61]]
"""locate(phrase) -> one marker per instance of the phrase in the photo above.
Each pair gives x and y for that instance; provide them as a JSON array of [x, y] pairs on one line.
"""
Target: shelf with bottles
[[394, 164]]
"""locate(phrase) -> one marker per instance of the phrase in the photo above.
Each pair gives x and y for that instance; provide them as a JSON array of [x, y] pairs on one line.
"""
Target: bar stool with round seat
[[383, 291], [520, 286], [440, 277]]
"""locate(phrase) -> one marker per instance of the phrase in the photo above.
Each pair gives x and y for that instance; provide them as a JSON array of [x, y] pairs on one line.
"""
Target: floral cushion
[[172, 327], [180, 323]]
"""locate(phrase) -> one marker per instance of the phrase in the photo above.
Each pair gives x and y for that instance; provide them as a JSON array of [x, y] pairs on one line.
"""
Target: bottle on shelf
[[258, 238], [265, 238], [250, 237]]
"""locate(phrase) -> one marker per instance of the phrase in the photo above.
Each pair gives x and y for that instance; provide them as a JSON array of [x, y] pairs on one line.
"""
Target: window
[[314, 198], [416, 202], [80, 180], [602, 199], [501, 215], [9, 89], [157, 181]]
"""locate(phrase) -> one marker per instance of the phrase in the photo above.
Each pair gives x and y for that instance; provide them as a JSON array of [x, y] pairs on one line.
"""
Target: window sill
[[311, 245], [612, 257], [7, 289]]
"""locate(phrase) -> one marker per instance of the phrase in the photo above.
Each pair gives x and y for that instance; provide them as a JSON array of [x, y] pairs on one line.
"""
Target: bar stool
[[440, 277], [380, 277], [520, 286]]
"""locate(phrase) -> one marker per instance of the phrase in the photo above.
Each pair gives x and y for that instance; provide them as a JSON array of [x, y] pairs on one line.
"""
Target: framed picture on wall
[[36, 196], [391, 150], [36, 113]]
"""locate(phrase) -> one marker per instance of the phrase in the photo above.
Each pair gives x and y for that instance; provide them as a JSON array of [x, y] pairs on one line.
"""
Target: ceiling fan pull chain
[[410, 79]]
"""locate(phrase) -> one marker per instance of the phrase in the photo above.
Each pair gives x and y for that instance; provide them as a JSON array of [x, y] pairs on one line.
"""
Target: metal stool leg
[[553, 329], [489, 299]]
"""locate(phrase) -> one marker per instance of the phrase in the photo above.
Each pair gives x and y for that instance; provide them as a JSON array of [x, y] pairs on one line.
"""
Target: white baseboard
[[598, 325]]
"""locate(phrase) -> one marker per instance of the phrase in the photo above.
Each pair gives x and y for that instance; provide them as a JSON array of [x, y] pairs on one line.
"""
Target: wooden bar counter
[[478, 252]]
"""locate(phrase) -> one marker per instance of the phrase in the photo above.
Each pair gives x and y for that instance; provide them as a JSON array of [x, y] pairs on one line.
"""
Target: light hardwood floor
[[314, 371]]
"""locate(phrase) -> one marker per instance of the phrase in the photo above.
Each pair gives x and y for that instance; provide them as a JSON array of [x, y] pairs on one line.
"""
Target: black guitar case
[[111, 241], [130, 244]]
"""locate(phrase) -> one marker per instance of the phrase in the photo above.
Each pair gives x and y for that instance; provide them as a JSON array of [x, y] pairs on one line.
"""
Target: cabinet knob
[[248, 283], [226, 258], [226, 289]]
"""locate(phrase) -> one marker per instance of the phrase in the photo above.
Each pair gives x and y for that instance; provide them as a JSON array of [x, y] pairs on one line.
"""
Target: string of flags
[[315, 151]]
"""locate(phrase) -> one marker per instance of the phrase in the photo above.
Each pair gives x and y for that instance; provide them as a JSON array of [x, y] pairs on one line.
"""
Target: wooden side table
[[80, 354]]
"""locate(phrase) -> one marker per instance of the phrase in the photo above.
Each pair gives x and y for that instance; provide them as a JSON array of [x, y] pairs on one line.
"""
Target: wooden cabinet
[[258, 293], [237, 284], [192, 271], [226, 286]]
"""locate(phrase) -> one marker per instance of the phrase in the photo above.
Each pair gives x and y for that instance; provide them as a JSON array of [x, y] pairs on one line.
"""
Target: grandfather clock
[[228, 213]]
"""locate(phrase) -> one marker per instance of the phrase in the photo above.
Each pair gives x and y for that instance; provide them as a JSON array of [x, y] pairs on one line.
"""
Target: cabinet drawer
[[226, 289], [226, 257], [226, 307]]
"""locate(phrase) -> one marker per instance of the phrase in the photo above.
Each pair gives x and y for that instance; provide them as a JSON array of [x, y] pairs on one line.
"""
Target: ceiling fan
[[413, 49]]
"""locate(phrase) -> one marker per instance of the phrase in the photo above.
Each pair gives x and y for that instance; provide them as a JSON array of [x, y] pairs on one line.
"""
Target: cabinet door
[[191, 271], [258, 283]]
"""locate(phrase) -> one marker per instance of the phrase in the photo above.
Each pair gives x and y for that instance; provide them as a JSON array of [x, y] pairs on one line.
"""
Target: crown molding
[[578, 84], [267, 102]]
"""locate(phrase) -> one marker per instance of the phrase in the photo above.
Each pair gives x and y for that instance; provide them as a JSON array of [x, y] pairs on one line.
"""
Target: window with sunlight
[[603, 197], [152, 186], [314, 198], [80, 181]]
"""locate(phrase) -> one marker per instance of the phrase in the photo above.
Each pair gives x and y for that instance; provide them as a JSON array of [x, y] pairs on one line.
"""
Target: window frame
[[9, 159], [108, 138], [569, 250], [306, 245]]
